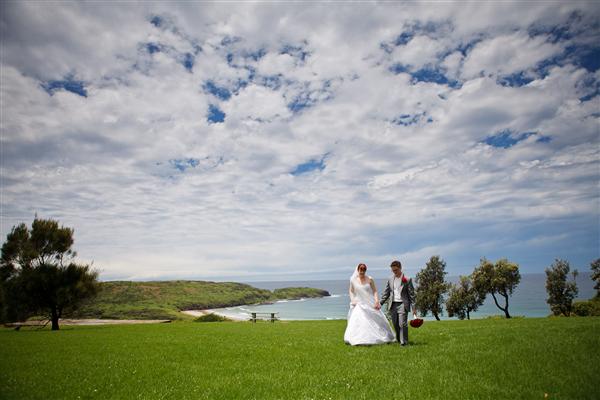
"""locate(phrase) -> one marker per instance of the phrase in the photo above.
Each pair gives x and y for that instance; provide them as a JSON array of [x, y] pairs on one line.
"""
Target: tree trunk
[[54, 319], [506, 305], [468, 316], [505, 309], [436, 316]]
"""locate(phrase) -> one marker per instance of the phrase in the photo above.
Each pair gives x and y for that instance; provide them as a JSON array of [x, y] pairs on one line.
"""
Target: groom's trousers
[[400, 321]]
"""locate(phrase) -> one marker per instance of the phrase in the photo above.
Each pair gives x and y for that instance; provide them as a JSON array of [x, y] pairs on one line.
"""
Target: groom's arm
[[386, 293], [411, 295]]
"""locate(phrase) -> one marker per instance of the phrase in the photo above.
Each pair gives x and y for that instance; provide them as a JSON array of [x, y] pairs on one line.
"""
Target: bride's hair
[[355, 273]]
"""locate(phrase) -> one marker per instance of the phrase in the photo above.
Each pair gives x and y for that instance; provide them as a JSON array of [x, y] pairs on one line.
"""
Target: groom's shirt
[[397, 289]]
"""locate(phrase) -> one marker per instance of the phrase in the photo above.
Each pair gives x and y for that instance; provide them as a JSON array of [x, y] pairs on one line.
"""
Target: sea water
[[528, 299]]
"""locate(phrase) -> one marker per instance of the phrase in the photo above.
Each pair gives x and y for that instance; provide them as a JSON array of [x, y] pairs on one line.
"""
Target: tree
[[560, 292], [595, 266], [431, 287], [37, 274], [500, 278], [463, 299]]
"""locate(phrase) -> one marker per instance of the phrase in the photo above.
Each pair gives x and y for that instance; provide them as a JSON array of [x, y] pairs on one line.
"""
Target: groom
[[400, 289]]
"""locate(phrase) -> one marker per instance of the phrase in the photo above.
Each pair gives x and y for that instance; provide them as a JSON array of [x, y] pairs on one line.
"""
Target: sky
[[284, 141]]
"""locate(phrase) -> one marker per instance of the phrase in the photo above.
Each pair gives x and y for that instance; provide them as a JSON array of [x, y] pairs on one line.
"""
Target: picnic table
[[273, 316]]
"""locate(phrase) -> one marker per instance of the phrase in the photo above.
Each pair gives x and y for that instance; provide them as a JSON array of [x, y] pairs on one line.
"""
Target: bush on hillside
[[211, 318], [295, 293]]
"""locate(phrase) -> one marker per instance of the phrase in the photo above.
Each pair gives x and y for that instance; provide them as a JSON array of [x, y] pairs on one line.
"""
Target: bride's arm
[[351, 292], [377, 304]]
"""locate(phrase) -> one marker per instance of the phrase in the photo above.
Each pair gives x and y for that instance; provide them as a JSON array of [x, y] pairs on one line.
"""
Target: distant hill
[[165, 299]]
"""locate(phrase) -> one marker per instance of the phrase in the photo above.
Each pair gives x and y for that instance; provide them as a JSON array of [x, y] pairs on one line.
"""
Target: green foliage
[[482, 359], [46, 242], [592, 306], [432, 287], [35, 276], [463, 299], [211, 318], [595, 267], [298, 293], [14, 303], [560, 292], [57, 288], [589, 308], [165, 300], [500, 278]]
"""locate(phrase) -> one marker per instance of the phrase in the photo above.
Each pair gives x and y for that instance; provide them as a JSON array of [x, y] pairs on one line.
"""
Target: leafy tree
[[595, 266], [37, 274], [430, 293], [560, 292], [500, 278], [463, 299]]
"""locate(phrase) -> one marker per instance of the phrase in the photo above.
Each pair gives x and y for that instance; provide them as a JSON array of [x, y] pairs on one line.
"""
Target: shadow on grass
[[417, 344], [392, 344]]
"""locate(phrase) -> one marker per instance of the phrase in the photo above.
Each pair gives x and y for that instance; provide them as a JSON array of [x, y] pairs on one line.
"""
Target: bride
[[366, 322]]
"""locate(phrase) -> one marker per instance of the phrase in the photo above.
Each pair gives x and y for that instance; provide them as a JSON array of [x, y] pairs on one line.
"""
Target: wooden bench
[[264, 316]]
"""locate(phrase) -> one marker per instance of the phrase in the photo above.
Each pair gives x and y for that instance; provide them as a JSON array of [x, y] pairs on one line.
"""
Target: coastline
[[242, 312], [246, 316]]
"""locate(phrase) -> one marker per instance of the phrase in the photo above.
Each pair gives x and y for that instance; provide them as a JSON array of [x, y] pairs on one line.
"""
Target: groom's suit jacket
[[407, 293]]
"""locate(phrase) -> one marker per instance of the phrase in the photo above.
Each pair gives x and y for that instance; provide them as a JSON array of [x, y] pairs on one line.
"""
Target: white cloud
[[452, 64], [507, 54], [405, 171], [275, 64], [256, 102], [419, 52]]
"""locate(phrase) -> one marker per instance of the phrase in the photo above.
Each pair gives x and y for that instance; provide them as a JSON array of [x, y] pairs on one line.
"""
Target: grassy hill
[[520, 358], [164, 300]]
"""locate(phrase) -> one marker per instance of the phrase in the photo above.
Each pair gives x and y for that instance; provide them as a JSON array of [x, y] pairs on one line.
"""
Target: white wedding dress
[[366, 325]]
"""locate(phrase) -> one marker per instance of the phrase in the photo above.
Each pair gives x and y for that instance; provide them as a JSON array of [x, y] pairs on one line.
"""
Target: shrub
[[589, 308], [211, 318]]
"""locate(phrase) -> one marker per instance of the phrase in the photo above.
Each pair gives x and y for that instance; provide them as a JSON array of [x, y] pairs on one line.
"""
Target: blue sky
[[274, 141]]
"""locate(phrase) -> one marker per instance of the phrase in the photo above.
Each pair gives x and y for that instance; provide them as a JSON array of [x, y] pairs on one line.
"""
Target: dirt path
[[112, 321], [92, 322]]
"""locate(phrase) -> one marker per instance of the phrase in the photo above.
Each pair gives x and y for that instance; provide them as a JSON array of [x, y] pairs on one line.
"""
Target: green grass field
[[479, 359]]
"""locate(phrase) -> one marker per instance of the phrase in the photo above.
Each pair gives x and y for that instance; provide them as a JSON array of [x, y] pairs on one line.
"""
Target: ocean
[[529, 300]]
